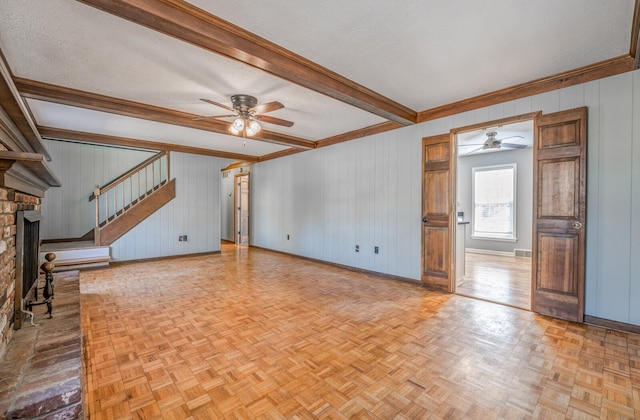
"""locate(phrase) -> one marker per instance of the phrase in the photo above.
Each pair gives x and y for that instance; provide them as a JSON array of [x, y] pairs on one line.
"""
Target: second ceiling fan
[[493, 143]]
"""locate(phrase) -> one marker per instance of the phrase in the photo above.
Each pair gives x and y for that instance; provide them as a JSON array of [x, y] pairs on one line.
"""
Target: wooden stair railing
[[147, 183]]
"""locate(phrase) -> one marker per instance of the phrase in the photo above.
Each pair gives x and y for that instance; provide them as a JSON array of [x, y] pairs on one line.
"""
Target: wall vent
[[522, 253]]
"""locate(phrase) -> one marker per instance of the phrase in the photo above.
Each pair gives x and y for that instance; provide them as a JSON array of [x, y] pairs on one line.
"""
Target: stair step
[[76, 255], [80, 264]]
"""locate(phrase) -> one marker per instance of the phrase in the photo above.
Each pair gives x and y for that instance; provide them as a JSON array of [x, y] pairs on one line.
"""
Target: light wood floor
[[254, 334], [497, 278]]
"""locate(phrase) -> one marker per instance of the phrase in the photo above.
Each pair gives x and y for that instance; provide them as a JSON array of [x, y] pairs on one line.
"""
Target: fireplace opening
[[27, 255]]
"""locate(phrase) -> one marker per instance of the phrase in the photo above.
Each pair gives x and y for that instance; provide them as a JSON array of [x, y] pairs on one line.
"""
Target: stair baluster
[[105, 214]]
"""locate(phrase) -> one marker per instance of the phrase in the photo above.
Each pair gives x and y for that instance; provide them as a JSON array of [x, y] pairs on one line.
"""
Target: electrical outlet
[[357, 248], [376, 250], [182, 238]]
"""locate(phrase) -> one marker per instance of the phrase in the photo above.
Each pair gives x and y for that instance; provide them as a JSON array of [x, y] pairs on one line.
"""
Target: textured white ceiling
[[426, 53], [420, 53], [77, 119], [67, 43]]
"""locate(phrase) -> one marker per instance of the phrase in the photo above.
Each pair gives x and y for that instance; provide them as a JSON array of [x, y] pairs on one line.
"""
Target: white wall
[[194, 212], [368, 192], [524, 196]]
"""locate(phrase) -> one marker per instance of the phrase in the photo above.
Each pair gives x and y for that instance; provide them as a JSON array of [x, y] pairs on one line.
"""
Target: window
[[494, 202]]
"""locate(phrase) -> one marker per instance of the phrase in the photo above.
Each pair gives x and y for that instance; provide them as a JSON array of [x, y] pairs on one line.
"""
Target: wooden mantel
[[26, 172]]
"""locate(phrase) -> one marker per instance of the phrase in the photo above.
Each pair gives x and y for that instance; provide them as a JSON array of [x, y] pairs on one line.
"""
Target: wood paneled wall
[[67, 211], [363, 192], [368, 192], [194, 212]]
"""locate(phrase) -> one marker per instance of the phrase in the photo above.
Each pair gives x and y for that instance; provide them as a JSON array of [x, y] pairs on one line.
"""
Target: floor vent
[[522, 253]]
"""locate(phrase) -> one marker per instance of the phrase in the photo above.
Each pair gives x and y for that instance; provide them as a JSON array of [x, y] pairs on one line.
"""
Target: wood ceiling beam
[[585, 74], [188, 23], [81, 136], [356, 134], [634, 50], [73, 97]]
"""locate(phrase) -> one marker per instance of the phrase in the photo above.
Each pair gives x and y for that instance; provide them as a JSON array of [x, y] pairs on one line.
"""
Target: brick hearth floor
[[255, 334], [41, 370]]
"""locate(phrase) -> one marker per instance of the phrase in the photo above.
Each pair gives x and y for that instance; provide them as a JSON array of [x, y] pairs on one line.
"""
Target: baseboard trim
[[167, 257], [383, 276], [612, 325], [489, 252]]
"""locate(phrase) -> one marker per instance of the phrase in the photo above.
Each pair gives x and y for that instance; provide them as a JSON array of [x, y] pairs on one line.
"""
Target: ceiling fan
[[247, 113], [493, 143]]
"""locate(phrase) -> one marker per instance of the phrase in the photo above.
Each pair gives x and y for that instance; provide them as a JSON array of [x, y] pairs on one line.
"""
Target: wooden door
[[437, 220], [242, 209], [559, 198]]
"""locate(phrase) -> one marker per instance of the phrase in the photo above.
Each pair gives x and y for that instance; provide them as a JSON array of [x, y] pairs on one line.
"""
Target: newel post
[[168, 166], [96, 231]]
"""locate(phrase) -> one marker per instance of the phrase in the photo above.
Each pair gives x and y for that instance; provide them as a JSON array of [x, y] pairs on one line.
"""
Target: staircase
[[120, 205]]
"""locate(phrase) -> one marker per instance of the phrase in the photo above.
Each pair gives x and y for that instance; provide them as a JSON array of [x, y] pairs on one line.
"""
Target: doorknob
[[576, 225], [425, 220]]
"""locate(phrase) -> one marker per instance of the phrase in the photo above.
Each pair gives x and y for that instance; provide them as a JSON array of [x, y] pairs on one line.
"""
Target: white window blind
[[494, 192]]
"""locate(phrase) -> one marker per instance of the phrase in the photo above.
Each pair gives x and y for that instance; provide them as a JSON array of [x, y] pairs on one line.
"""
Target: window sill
[[489, 238]]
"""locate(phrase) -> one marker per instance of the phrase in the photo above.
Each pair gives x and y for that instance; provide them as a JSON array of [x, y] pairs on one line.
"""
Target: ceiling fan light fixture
[[237, 126], [253, 128], [247, 113]]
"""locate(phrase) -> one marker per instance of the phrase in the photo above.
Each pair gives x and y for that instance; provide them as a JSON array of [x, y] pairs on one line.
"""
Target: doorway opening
[[235, 204], [241, 230], [494, 205]]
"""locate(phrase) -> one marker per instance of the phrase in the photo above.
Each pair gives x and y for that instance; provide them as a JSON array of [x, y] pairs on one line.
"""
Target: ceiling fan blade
[[209, 101], [268, 107], [273, 120], [511, 137], [514, 145], [214, 116], [474, 150]]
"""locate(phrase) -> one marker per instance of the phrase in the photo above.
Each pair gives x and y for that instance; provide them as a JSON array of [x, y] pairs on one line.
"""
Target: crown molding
[[584, 74], [279, 154], [634, 49], [356, 134]]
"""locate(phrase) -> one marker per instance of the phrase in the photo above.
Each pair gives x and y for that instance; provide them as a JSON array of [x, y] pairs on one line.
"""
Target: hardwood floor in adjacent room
[[497, 278], [255, 334]]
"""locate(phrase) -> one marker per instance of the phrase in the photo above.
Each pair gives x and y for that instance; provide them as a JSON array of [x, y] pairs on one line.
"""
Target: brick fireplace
[[10, 203]]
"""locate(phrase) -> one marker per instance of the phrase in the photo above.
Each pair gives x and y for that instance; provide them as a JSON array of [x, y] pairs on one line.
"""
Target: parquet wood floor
[[255, 334], [497, 278]]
